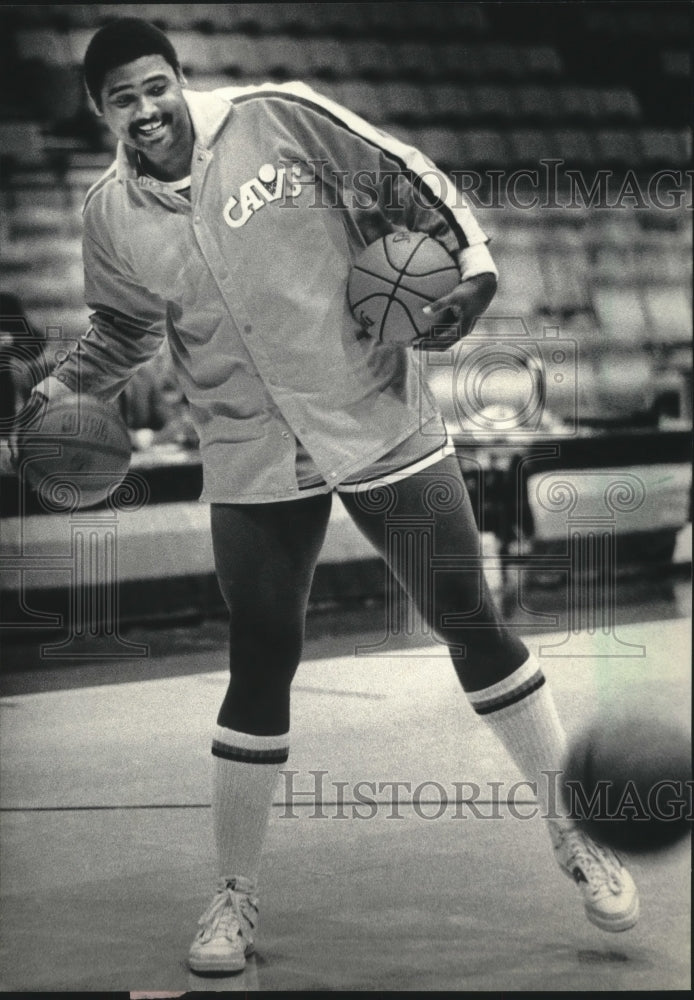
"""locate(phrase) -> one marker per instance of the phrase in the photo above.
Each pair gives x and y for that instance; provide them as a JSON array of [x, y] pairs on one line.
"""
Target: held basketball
[[629, 782], [74, 453], [393, 279]]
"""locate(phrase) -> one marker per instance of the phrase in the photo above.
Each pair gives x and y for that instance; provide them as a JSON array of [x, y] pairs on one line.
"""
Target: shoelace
[[597, 866], [221, 916]]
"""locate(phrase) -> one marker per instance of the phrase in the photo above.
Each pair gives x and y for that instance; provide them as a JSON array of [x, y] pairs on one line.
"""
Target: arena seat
[[617, 148], [405, 101], [615, 228], [47, 46], [662, 148], [31, 220], [371, 60], [245, 17], [40, 193], [528, 146], [252, 18], [685, 139], [283, 56], [669, 311], [445, 146], [575, 146], [463, 63], [60, 286], [541, 62], [482, 148], [330, 58], [663, 262], [565, 278], [43, 252], [195, 51], [492, 102], [620, 314], [503, 62], [421, 20], [419, 60], [619, 104], [211, 81], [538, 103], [201, 17], [21, 145], [149, 11], [344, 20], [521, 281], [581, 104], [402, 20], [451, 102], [297, 19], [361, 97], [614, 265], [237, 55]]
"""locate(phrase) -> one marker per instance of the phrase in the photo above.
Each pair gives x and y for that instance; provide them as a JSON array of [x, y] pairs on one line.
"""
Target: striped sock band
[[513, 689], [243, 785], [248, 749], [521, 711]]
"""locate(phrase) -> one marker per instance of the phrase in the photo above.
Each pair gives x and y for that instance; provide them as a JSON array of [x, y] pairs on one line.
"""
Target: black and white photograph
[[346, 496]]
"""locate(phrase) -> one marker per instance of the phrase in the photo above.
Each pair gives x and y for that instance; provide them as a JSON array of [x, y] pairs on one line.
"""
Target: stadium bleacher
[[476, 87]]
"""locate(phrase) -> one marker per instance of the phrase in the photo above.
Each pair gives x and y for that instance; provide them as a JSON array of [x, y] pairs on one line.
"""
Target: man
[[228, 224]]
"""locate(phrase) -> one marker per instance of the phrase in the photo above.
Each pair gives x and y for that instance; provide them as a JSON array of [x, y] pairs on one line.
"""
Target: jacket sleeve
[[382, 181], [127, 326]]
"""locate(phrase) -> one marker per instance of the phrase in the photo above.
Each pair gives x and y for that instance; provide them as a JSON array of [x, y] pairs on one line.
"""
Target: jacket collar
[[208, 112]]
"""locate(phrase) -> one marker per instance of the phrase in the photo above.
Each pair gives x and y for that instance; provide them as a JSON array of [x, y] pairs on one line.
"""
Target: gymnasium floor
[[107, 857]]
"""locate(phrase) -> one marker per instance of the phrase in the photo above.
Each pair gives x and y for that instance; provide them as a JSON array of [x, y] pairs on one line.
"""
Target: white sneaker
[[610, 898], [227, 929]]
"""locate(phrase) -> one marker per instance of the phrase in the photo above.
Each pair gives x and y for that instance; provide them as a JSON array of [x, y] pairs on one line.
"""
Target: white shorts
[[415, 453]]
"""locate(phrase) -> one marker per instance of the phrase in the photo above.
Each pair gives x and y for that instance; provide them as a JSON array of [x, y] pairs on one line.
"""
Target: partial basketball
[[393, 279], [628, 781], [74, 453]]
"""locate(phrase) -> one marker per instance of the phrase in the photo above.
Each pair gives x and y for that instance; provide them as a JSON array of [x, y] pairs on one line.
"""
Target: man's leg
[[265, 555], [504, 683]]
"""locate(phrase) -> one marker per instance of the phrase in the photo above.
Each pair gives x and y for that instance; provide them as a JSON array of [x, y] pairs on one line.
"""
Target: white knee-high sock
[[521, 711], [244, 777]]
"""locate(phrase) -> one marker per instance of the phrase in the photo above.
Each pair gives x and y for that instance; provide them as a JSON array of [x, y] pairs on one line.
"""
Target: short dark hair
[[121, 42]]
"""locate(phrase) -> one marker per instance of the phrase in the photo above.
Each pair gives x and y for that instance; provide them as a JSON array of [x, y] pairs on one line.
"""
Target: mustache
[[165, 119]]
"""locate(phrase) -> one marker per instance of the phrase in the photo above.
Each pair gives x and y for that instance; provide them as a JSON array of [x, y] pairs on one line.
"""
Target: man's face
[[144, 107]]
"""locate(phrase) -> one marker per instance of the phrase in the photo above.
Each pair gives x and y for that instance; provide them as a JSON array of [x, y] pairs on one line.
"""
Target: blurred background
[[487, 89]]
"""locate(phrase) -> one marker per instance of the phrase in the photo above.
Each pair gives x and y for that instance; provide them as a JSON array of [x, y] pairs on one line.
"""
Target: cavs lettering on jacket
[[247, 278]]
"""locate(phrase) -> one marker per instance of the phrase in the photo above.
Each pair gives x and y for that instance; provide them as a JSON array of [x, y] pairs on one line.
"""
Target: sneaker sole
[[620, 922], [220, 965]]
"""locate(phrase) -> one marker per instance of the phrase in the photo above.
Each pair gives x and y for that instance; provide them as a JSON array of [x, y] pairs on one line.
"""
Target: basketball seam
[[400, 273], [400, 285]]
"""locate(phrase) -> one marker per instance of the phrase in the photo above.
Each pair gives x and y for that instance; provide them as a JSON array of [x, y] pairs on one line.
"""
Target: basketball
[[629, 782], [74, 453], [393, 279]]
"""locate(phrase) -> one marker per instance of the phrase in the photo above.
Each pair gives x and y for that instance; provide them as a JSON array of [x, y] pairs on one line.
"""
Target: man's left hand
[[454, 314]]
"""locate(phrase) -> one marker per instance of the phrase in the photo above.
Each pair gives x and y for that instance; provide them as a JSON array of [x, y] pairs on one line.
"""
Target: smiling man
[[208, 230], [143, 106]]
